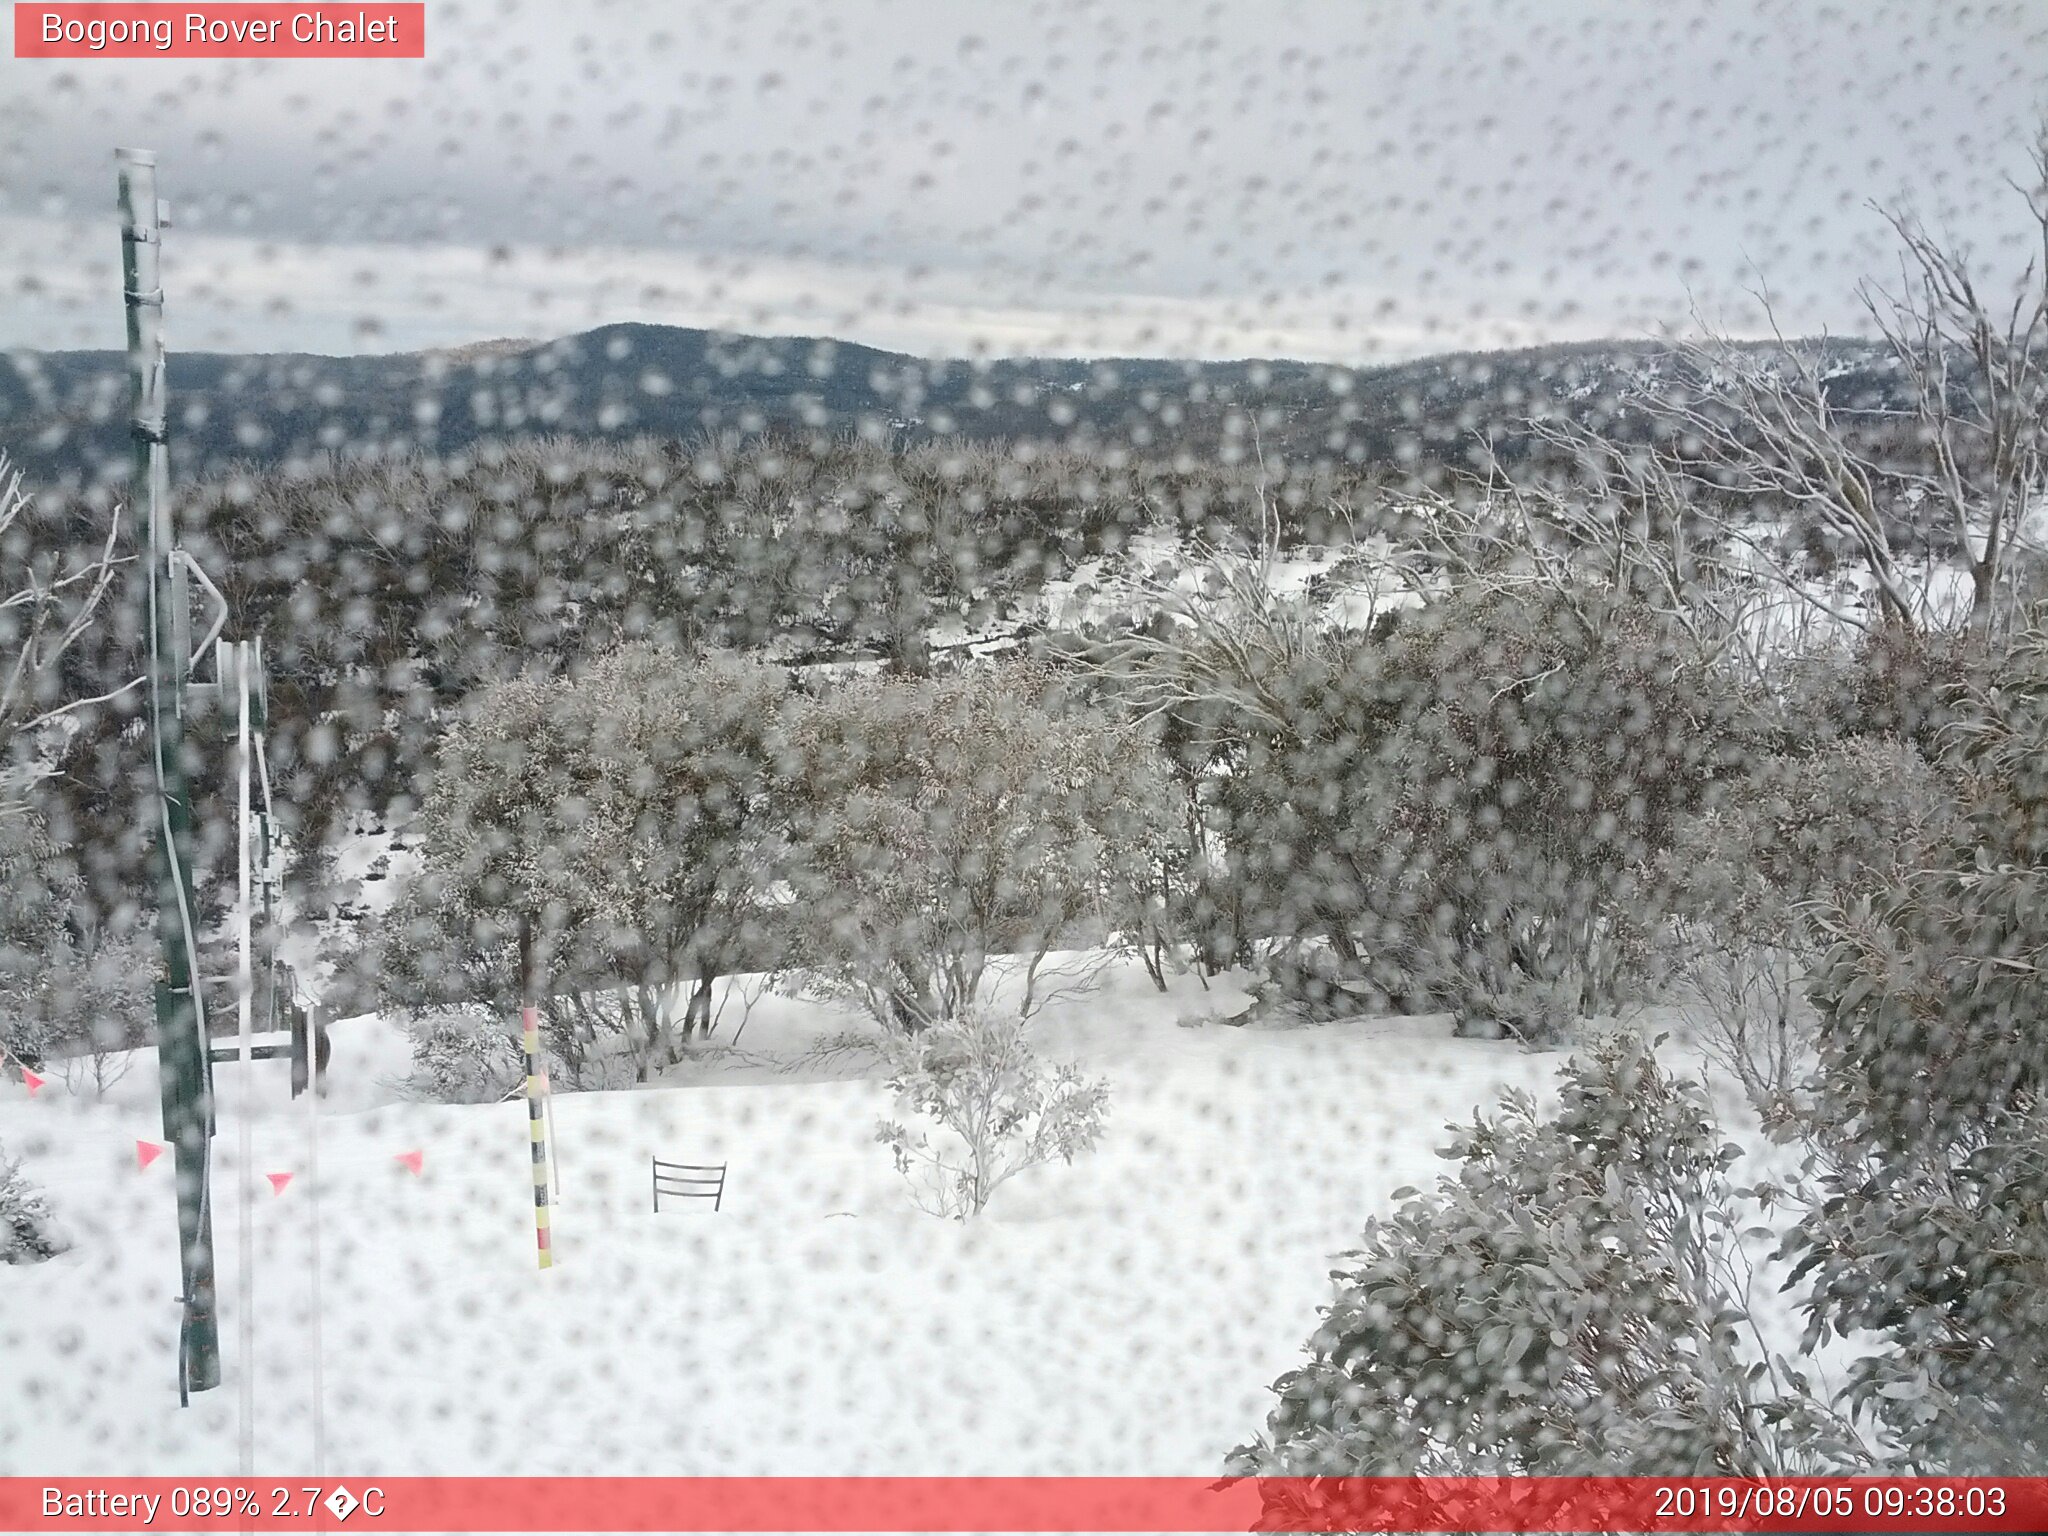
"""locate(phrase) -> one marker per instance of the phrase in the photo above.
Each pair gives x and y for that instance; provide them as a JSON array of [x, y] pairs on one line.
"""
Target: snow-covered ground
[[1352, 584], [1106, 588], [1123, 1315], [1120, 1316]]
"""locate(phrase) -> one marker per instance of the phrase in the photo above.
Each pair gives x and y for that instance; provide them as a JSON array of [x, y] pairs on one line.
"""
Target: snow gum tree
[[50, 598], [626, 808], [939, 823], [74, 989], [1463, 811]]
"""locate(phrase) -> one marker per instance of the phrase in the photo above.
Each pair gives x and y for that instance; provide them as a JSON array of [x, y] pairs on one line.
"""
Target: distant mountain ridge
[[63, 415]]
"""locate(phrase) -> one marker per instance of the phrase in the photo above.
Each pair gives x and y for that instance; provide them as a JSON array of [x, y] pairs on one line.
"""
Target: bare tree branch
[[45, 614]]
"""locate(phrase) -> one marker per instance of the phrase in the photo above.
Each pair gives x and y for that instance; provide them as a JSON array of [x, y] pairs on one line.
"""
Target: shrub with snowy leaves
[[462, 1056], [1750, 876], [75, 994], [998, 1110], [1901, 684], [98, 996], [31, 930], [1463, 812], [937, 824], [28, 1232], [626, 810], [1570, 1302], [450, 974], [1932, 1103]]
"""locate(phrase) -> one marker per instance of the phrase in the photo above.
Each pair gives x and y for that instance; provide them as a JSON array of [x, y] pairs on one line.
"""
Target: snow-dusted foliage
[[451, 972], [997, 1109], [1571, 1300], [51, 592], [626, 810], [28, 1232], [97, 995], [1463, 812], [939, 823], [1933, 1226], [1893, 684], [1752, 876], [463, 1056], [31, 926], [75, 995]]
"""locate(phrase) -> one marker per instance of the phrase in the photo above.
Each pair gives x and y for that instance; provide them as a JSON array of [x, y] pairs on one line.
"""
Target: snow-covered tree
[[1572, 1300], [998, 1110], [450, 973], [462, 1055], [1932, 1226], [1461, 812], [50, 597], [625, 809], [1971, 351], [28, 1232], [939, 823]]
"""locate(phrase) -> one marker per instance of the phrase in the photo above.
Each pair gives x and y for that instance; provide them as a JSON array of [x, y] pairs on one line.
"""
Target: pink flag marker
[[31, 1082], [147, 1152], [278, 1182], [412, 1160]]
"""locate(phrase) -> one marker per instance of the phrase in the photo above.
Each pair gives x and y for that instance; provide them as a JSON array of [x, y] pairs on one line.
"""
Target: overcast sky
[[1349, 181]]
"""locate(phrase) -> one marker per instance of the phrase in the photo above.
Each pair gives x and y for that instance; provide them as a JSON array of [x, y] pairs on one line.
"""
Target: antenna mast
[[184, 1068]]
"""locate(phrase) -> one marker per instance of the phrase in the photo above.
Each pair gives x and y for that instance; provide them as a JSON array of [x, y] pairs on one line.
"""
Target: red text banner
[[213, 30], [1106, 1504]]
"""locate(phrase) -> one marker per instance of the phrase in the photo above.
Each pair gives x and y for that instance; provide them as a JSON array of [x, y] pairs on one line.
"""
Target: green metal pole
[[180, 1031]]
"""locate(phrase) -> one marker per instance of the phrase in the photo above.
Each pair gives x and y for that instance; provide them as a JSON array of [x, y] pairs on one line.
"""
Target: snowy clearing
[[1120, 1316]]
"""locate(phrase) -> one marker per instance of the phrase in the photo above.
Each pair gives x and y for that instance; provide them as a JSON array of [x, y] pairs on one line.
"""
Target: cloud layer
[[1345, 182]]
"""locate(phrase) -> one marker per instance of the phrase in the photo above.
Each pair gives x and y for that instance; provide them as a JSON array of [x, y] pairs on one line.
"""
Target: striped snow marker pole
[[529, 1022]]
